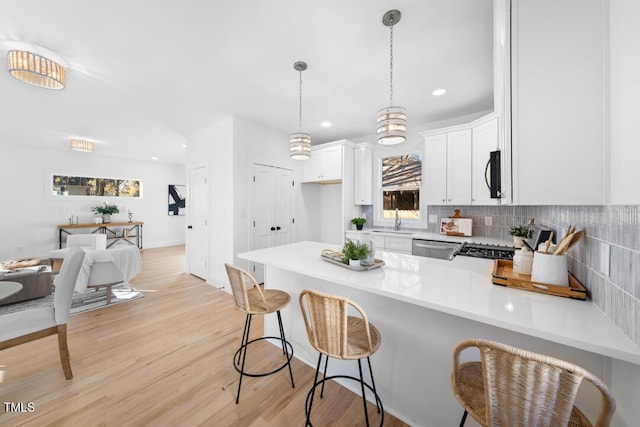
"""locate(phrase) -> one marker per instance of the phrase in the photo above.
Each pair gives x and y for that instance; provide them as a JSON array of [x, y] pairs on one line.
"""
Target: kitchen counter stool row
[[485, 388]]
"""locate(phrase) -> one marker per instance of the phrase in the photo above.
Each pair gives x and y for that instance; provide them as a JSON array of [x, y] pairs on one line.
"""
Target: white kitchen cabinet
[[399, 244], [558, 93], [363, 175], [484, 141], [449, 167], [324, 166]]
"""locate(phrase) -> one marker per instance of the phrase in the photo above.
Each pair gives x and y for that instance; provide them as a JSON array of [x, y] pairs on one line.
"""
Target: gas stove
[[477, 250]]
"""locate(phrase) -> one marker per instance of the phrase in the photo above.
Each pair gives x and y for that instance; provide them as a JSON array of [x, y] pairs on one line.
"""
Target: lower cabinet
[[381, 242]]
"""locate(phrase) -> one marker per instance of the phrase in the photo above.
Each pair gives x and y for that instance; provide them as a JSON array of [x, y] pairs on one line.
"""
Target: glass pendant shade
[[35, 69], [392, 125], [300, 146]]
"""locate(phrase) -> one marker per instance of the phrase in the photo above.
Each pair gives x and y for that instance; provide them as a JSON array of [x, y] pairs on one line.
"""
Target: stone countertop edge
[[462, 287]]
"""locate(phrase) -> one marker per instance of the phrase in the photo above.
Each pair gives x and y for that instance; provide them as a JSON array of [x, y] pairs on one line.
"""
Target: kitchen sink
[[392, 232]]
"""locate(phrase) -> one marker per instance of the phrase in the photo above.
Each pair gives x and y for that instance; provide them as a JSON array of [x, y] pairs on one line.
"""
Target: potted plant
[[106, 210], [519, 233], [358, 222], [353, 252]]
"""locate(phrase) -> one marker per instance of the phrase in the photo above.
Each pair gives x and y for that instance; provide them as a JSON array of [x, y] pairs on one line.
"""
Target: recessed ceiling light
[[184, 145], [326, 124], [154, 158], [439, 92]]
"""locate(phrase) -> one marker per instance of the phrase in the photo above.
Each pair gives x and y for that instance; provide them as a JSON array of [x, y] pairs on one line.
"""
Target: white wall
[[624, 69], [214, 145], [29, 217], [230, 147]]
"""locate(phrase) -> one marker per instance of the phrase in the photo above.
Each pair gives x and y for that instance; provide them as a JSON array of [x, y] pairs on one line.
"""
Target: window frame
[[378, 219]]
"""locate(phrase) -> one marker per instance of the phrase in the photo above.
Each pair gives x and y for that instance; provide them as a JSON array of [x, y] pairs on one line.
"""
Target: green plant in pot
[[519, 233], [353, 252], [358, 222], [106, 210]]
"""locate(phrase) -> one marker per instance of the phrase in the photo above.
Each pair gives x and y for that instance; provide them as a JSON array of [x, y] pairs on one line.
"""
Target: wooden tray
[[504, 275], [336, 258]]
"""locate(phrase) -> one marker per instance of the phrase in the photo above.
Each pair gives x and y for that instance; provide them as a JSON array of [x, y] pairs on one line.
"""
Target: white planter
[[518, 241], [354, 262]]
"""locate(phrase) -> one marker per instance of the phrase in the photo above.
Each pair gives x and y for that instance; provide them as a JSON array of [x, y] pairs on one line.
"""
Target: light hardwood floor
[[164, 359]]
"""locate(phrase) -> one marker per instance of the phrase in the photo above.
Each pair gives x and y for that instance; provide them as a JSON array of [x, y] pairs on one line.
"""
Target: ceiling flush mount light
[[35, 69], [392, 120], [300, 143], [82, 145]]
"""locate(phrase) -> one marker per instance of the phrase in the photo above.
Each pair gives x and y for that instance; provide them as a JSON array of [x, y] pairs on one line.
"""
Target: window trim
[[378, 220]]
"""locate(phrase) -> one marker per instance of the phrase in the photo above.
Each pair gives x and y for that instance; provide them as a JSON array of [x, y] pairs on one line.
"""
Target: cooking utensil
[[577, 236], [563, 245], [546, 247]]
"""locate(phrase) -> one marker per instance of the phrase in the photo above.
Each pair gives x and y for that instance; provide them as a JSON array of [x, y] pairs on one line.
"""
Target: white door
[[272, 201], [197, 229], [283, 213]]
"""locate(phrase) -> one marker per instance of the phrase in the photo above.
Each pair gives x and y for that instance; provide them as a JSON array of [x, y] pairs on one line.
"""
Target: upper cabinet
[[485, 140], [448, 167], [363, 175], [325, 164], [557, 100]]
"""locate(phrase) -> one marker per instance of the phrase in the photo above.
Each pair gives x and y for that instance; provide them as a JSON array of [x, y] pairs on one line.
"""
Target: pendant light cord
[[391, 64], [300, 104]]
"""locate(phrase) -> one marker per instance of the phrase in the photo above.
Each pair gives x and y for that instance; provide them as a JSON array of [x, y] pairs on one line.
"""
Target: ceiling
[[142, 75]]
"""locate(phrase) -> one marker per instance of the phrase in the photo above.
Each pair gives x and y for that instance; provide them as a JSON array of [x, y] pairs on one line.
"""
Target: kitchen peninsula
[[423, 307]]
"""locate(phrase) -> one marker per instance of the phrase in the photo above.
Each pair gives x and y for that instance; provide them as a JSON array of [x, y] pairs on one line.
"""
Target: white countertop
[[463, 288]]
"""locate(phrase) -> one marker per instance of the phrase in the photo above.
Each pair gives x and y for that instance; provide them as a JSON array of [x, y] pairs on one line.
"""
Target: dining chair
[[35, 323]]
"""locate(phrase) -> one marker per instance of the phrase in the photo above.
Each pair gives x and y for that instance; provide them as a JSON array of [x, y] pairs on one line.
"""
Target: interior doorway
[[197, 238], [272, 210]]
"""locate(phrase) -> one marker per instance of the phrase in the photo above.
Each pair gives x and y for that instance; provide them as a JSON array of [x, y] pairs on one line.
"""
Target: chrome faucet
[[396, 226]]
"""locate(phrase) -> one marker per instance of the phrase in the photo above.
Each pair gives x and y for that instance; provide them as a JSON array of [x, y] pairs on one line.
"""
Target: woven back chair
[[247, 294], [511, 386], [252, 299], [331, 331]]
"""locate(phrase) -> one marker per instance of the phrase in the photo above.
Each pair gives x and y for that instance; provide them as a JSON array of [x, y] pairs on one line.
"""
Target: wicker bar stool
[[511, 386], [251, 299], [335, 334]]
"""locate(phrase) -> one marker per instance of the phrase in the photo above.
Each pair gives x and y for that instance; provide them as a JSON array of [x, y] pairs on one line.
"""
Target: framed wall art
[[177, 199]]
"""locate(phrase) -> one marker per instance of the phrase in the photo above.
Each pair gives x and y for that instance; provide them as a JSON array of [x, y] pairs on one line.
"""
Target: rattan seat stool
[[514, 387], [333, 333], [251, 299]]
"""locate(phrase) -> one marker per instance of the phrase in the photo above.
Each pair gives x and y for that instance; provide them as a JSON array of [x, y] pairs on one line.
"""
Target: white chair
[[102, 267], [85, 241], [35, 323]]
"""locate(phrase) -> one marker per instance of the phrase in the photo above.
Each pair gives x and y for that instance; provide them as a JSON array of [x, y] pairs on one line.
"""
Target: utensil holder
[[549, 268]]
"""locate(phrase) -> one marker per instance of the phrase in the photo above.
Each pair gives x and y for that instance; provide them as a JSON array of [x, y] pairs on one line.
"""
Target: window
[[401, 182], [68, 185]]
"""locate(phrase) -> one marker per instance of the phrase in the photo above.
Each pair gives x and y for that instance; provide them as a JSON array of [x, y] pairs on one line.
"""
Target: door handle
[[278, 228], [273, 229], [190, 227]]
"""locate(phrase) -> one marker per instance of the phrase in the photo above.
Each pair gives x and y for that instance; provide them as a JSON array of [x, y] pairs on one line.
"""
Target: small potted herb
[[519, 233], [358, 222], [353, 252]]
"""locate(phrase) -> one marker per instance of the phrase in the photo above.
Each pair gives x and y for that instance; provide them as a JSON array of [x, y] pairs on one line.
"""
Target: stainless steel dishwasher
[[434, 248]]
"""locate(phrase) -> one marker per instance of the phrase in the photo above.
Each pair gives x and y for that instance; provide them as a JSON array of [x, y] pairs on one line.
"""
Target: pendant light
[[392, 120], [300, 143]]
